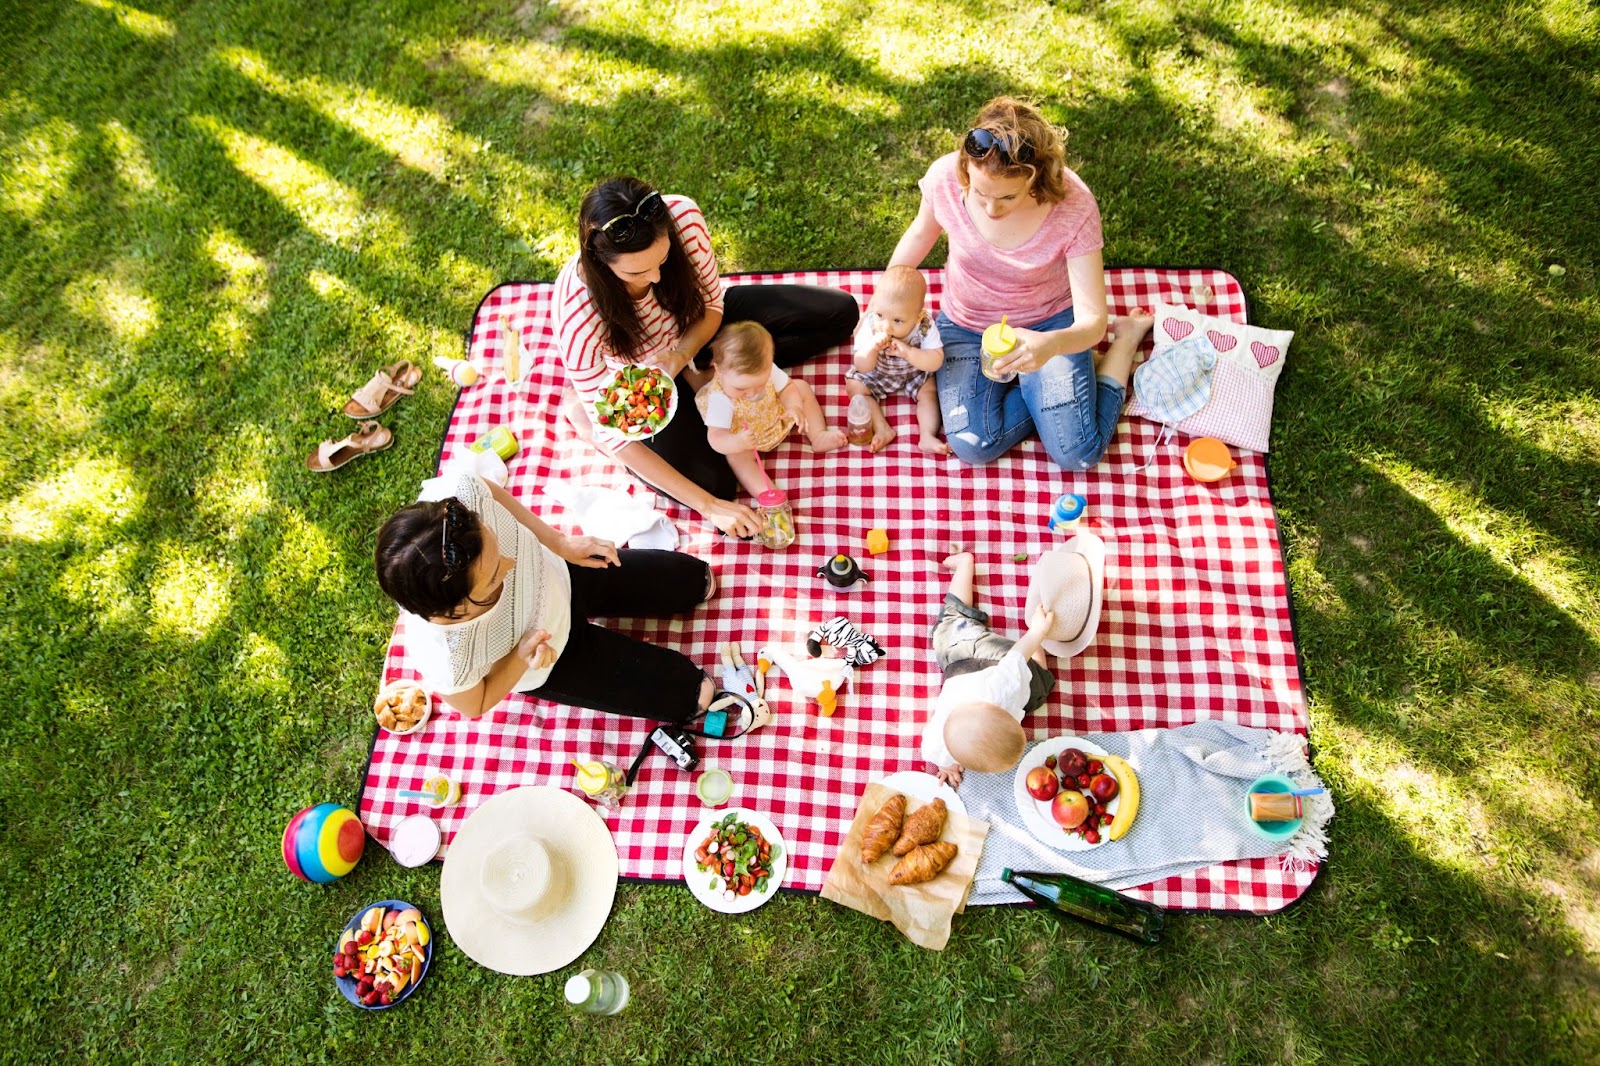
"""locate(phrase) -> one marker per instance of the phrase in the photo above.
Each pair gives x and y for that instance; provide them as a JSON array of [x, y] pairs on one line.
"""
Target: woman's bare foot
[[883, 433], [1135, 324], [933, 444]]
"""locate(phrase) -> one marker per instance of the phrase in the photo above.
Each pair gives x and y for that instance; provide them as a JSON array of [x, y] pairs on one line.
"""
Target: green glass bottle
[[1089, 902]]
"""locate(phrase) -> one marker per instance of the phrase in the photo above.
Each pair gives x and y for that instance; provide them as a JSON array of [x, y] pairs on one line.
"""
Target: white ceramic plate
[[646, 434], [1036, 813], [925, 787], [700, 881]]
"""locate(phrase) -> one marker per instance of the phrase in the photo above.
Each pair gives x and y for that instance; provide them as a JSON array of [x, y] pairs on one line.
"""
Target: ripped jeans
[[1074, 411]]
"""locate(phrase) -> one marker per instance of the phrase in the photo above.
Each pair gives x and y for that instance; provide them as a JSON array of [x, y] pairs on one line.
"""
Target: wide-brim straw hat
[[528, 881], [1070, 581]]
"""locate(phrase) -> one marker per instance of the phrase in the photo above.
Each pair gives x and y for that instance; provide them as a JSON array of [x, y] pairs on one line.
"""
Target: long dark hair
[[411, 557], [678, 291]]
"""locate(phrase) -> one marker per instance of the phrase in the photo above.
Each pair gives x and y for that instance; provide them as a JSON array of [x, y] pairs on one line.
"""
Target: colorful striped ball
[[323, 843]]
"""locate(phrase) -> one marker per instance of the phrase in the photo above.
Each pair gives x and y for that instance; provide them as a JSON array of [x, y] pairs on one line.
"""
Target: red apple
[[1069, 809], [1072, 762], [1041, 782], [1103, 787]]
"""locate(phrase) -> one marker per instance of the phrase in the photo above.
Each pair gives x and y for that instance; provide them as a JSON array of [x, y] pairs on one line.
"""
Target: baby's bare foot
[[950, 562], [933, 444], [828, 440], [883, 434]]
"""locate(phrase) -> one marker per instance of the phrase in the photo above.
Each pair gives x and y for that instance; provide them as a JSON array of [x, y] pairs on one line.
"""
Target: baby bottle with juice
[[998, 341], [858, 422]]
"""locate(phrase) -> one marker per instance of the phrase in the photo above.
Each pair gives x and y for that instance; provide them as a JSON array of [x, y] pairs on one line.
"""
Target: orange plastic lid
[[1208, 459]]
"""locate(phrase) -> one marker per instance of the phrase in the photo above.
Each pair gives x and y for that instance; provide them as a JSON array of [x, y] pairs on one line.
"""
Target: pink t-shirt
[[1030, 283], [591, 364]]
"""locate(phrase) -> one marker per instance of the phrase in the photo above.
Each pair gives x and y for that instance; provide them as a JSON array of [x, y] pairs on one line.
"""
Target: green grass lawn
[[217, 217]]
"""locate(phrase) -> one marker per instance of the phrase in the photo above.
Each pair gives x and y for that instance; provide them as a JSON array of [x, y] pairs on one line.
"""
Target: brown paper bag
[[922, 912]]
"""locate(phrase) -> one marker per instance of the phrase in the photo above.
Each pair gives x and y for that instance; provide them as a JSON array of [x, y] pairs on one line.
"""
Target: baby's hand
[[1041, 621], [950, 775]]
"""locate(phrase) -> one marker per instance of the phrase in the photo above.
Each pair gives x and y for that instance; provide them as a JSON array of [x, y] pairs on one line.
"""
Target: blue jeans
[[1074, 411]]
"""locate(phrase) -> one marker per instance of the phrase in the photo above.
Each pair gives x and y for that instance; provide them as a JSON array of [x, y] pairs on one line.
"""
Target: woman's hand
[[1032, 352], [588, 551], [734, 519], [535, 650]]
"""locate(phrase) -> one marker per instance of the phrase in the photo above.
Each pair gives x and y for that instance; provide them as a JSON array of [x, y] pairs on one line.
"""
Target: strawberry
[[1092, 836], [1095, 766]]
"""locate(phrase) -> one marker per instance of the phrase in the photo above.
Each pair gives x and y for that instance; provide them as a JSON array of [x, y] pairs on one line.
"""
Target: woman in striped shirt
[[643, 289]]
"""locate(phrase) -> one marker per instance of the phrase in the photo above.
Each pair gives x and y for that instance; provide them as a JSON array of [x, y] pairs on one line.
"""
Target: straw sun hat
[[1071, 582], [528, 880]]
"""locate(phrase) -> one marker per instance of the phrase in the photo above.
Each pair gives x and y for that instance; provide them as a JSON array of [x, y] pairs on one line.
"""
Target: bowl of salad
[[638, 403], [734, 862]]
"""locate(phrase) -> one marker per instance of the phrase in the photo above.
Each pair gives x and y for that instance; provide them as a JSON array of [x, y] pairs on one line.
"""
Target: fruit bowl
[[1036, 813], [391, 908]]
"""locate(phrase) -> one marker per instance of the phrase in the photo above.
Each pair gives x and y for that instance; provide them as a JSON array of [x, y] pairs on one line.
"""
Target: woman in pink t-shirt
[[1024, 234]]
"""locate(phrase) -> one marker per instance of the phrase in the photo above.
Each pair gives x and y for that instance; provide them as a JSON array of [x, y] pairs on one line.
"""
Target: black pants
[[804, 320], [609, 672]]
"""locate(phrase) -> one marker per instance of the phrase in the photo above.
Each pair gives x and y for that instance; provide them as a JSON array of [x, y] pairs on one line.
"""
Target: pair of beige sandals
[[381, 392]]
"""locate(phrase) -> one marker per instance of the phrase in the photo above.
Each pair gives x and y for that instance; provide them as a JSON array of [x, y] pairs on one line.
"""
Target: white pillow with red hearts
[[1249, 360]]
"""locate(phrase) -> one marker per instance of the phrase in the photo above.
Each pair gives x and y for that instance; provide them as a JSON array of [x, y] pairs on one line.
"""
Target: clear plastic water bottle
[[597, 992]]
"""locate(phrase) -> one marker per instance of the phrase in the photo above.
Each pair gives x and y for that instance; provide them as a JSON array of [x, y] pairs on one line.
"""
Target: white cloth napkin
[[616, 516]]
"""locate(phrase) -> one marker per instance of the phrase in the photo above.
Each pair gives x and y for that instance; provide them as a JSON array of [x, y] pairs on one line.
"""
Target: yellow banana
[[1128, 789]]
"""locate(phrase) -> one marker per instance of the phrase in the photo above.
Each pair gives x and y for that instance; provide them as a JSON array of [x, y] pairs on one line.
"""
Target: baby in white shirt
[[989, 684]]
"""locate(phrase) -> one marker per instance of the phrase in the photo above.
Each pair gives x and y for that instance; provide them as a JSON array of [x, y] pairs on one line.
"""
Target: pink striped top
[[581, 337], [1029, 283]]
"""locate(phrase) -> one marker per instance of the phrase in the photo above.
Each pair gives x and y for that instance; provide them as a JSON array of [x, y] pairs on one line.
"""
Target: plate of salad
[[638, 403], [734, 861]]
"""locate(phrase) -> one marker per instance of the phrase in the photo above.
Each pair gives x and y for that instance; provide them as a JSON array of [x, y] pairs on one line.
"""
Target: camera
[[678, 745]]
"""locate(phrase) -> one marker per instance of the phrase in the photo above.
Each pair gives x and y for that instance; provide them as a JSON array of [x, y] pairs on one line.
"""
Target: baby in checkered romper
[[896, 350]]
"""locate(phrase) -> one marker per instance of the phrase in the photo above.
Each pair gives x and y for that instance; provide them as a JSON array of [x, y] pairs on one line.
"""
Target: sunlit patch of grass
[[245, 293], [133, 164], [237, 487], [417, 137], [127, 312], [36, 168], [325, 205], [82, 499], [144, 24], [306, 561], [189, 593], [106, 584], [263, 663], [569, 76], [394, 331], [1510, 539]]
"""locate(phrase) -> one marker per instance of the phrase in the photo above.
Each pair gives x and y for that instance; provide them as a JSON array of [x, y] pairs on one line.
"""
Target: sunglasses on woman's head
[[621, 229], [453, 513], [980, 142]]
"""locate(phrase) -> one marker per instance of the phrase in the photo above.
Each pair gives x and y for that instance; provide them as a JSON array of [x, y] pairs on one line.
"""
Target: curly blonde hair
[[1016, 124]]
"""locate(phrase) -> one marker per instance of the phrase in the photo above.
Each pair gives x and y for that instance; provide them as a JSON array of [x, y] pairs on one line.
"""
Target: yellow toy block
[[877, 541]]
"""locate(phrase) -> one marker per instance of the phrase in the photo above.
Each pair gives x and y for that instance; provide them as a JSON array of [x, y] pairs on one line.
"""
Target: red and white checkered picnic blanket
[[1196, 620]]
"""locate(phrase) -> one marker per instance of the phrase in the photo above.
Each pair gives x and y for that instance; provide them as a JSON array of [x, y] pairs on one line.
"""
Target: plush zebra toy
[[859, 649]]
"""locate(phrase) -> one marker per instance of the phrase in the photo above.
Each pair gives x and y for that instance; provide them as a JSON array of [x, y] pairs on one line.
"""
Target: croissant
[[923, 863], [884, 828], [923, 827]]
